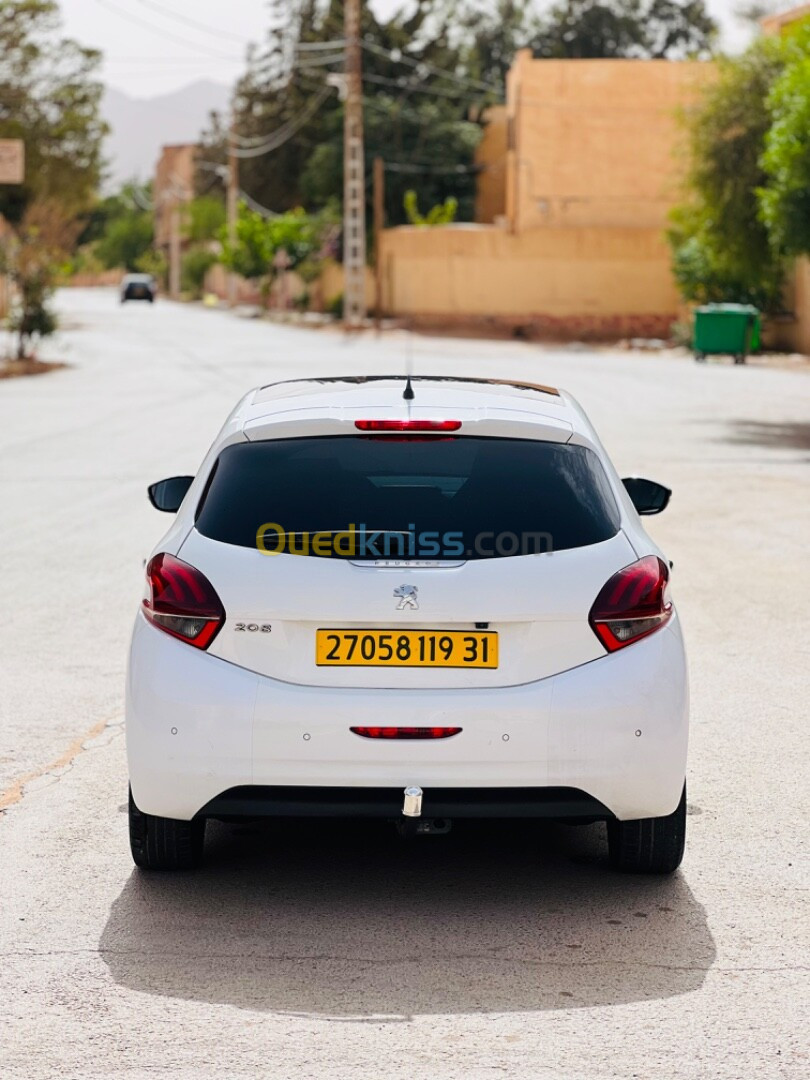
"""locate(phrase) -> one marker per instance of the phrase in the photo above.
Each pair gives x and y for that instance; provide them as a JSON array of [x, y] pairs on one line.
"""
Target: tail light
[[633, 604], [406, 732], [182, 601]]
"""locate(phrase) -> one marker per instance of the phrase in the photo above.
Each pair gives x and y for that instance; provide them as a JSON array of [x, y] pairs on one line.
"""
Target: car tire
[[649, 845], [159, 843]]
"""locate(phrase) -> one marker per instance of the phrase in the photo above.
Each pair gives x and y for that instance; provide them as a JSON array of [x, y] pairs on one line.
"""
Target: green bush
[[205, 217], [125, 240], [722, 249], [785, 198], [153, 262], [441, 214], [195, 265], [33, 319]]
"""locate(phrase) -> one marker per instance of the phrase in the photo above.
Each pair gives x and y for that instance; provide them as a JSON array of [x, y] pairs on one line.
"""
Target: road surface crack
[[62, 765]]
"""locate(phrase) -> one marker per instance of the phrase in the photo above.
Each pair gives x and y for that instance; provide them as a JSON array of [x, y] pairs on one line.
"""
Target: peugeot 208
[[418, 600]]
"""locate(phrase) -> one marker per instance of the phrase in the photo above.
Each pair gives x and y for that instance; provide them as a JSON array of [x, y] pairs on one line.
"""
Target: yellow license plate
[[406, 648]]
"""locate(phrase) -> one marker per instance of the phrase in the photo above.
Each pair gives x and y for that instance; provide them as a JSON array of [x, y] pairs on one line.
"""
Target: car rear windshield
[[362, 497]]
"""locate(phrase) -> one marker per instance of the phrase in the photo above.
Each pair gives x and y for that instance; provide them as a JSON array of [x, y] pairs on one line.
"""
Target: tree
[[49, 97], [251, 255], [119, 229], [420, 139], [196, 263], [493, 33], [785, 194], [430, 70], [260, 239], [420, 89], [722, 249], [40, 243], [126, 240], [205, 217], [657, 29]]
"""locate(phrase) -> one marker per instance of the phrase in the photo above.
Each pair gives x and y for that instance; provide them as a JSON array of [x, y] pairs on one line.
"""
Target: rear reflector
[[181, 601], [407, 425], [406, 732], [633, 604]]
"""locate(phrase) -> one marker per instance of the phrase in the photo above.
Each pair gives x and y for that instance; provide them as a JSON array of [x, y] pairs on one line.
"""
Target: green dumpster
[[726, 328]]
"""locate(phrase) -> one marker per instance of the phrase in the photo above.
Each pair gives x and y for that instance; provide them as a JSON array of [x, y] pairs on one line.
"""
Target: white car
[[420, 600]]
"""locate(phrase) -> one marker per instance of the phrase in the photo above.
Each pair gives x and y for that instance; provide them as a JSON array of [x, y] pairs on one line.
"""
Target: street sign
[[12, 161]]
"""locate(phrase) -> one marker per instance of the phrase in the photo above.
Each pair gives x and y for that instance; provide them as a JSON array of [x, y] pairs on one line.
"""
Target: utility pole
[[354, 181], [174, 248], [232, 205], [379, 224]]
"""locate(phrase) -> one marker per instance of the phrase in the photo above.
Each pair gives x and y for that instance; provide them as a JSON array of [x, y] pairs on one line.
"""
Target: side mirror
[[167, 495], [647, 496]]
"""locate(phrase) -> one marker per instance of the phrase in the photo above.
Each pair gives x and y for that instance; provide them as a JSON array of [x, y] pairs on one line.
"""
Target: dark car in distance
[[138, 287]]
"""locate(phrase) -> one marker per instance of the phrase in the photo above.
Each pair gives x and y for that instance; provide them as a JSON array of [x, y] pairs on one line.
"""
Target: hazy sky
[[152, 46]]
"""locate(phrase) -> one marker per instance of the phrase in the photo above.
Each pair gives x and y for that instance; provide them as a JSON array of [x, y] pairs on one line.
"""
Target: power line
[[257, 207], [282, 134], [308, 63], [411, 86], [185, 21], [286, 131], [394, 105], [423, 65], [165, 34], [111, 58], [313, 46], [213, 166]]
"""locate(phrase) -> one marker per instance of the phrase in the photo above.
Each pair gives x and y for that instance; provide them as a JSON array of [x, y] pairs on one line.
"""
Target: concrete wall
[[800, 337], [592, 166], [597, 142], [564, 282], [330, 285], [286, 289], [97, 279], [795, 334]]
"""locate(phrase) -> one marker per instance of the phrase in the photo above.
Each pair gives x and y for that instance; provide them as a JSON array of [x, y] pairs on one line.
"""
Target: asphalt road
[[339, 953]]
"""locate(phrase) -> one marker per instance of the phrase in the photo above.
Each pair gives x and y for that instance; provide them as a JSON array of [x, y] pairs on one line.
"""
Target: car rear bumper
[[357, 802], [614, 730]]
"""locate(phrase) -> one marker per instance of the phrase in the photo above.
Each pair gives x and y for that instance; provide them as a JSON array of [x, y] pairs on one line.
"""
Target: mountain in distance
[[140, 126]]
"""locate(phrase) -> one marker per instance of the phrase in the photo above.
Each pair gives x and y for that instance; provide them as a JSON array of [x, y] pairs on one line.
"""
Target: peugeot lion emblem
[[407, 597]]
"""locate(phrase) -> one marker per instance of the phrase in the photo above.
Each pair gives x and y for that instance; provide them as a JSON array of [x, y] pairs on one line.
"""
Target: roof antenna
[[408, 393]]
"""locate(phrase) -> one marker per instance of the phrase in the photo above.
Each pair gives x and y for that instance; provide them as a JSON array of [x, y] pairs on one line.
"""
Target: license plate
[[406, 648]]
